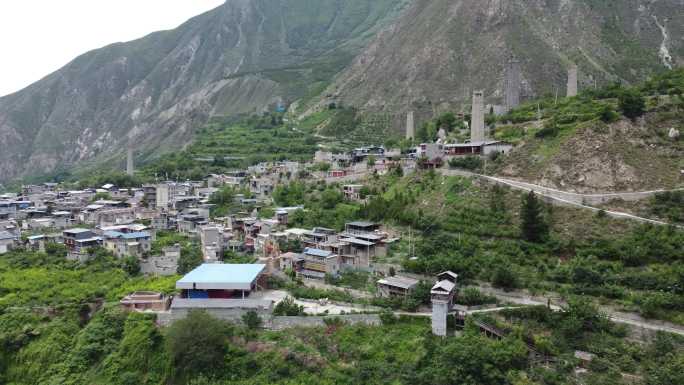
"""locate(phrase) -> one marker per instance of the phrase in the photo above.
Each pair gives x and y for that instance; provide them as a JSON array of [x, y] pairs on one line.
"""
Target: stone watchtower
[[410, 126], [442, 295], [477, 120], [513, 83], [572, 80]]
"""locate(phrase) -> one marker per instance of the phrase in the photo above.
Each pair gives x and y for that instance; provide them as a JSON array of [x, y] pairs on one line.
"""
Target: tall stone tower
[[513, 81], [130, 169], [440, 310], [442, 296], [410, 126], [572, 80], [477, 121]]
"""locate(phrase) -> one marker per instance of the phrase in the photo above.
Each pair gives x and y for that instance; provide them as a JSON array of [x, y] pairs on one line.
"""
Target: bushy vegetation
[[472, 163], [669, 205]]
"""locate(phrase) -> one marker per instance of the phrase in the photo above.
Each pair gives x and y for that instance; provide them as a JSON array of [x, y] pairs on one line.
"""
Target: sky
[[37, 37]]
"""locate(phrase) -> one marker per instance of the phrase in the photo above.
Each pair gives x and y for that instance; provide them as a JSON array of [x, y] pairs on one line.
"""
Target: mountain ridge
[[156, 90]]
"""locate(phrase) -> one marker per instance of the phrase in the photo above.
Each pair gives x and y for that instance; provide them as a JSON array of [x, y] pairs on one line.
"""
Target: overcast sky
[[38, 37]]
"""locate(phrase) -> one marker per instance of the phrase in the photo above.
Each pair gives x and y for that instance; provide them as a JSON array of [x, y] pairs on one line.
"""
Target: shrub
[[471, 296], [252, 320], [505, 278], [469, 162], [549, 131], [608, 114], [288, 307], [632, 104]]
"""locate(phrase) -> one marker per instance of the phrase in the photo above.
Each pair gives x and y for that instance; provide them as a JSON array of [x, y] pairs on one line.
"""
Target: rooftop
[[221, 277], [362, 224], [116, 234], [444, 285], [402, 282], [357, 242], [317, 252], [5, 235], [76, 231]]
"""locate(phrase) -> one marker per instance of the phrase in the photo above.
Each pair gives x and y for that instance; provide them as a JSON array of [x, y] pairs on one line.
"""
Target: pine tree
[[533, 224]]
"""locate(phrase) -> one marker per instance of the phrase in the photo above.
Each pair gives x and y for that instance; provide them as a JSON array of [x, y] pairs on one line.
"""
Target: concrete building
[[484, 148], [7, 241], [136, 244], [316, 263], [512, 84], [572, 80], [78, 241], [211, 238], [477, 122], [165, 193], [442, 295], [352, 191]]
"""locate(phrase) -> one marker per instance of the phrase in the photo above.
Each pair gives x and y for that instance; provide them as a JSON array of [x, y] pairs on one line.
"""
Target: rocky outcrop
[[440, 51]]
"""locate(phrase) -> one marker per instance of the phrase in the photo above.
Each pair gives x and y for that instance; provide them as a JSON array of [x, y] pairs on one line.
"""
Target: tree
[[190, 258], [131, 265], [632, 104], [198, 344], [223, 197], [447, 121], [533, 224], [252, 320], [505, 277]]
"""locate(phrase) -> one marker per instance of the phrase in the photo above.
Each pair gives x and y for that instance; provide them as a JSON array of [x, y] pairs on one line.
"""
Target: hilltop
[[584, 145]]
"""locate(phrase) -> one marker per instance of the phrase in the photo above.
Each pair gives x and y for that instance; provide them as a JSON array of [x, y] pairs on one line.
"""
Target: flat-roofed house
[[396, 286], [352, 191], [136, 244], [78, 241], [141, 301]]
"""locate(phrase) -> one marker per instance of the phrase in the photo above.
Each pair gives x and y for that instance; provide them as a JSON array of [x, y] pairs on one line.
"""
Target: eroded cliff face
[[439, 51], [242, 57]]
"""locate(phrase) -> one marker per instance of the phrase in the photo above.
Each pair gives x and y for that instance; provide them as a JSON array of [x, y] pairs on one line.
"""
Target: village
[[126, 221]]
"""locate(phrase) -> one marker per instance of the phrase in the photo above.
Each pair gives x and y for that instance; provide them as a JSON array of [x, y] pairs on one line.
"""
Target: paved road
[[633, 319], [569, 198], [313, 307]]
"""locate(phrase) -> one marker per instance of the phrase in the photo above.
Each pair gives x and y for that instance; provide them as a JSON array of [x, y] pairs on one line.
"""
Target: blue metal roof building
[[222, 277]]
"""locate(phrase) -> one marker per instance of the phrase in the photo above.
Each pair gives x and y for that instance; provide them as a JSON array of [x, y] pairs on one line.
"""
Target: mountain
[[386, 56], [242, 57], [439, 51]]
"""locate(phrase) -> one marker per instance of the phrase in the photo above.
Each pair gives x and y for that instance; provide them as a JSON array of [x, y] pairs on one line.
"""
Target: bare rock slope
[[239, 58]]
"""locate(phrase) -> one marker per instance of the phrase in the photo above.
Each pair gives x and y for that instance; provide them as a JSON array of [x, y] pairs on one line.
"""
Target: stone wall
[[284, 322], [269, 321]]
